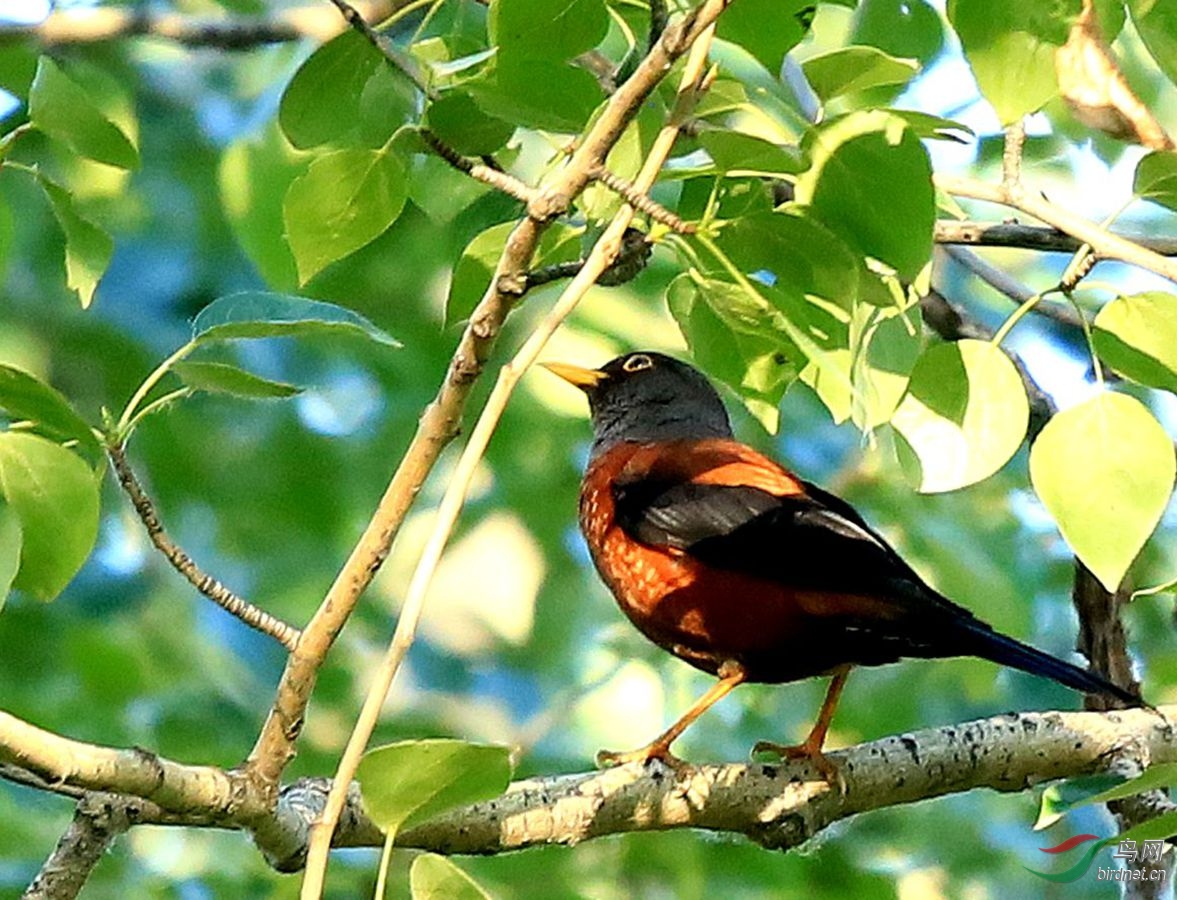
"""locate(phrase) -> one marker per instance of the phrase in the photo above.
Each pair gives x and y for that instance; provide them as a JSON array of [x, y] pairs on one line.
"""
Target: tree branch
[[439, 423], [232, 603], [1103, 242], [1032, 237], [64, 27], [780, 807], [98, 822]]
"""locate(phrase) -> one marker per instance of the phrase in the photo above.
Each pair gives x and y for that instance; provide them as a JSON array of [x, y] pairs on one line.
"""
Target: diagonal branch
[[439, 423]]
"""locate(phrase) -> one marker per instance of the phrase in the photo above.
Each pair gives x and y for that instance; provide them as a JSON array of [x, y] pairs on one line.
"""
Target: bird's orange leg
[[810, 748], [731, 674]]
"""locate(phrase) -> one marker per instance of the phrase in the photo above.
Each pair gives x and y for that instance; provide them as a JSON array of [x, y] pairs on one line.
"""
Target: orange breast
[[702, 614]]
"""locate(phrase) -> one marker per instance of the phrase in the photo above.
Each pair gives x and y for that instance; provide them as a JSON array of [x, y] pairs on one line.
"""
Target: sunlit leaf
[[1010, 45], [964, 416], [25, 397], [11, 539], [1156, 177], [849, 69], [768, 29], [1104, 469], [871, 184], [63, 109], [88, 248], [55, 495], [411, 781], [434, 877], [1157, 24], [345, 200], [256, 314], [1137, 336], [743, 154], [222, 378], [552, 30]]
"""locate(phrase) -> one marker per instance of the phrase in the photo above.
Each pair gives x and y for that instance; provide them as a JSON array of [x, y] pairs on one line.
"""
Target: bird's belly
[[707, 616]]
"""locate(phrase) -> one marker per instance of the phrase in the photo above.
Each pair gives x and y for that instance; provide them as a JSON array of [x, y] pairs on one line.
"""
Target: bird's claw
[[809, 753], [608, 759]]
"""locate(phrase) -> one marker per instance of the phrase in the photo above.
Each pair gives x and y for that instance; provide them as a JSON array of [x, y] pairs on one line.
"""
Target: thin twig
[[632, 258], [1033, 237], [1011, 155], [694, 32], [642, 201], [1008, 286], [230, 602], [399, 61], [480, 171]]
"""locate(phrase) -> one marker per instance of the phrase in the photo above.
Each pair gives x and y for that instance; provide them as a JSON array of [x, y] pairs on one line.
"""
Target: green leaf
[[552, 30], [434, 877], [7, 230], [768, 29], [1157, 23], [850, 69], [1168, 587], [345, 200], [1137, 336], [798, 250], [736, 339], [25, 397], [412, 781], [1159, 828], [871, 184], [742, 154], [550, 96], [1156, 177], [1104, 469], [964, 416], [222, 378], [55, 495], [88, 248], [900, 27], [64, 110], [11, 538], [1010, 45], [256, 314], [322, 101], [461, 123], [254, 175], [1156, 777], [1060, 798]]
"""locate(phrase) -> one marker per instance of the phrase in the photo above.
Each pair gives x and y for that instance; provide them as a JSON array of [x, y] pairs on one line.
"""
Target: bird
[[735, 565]]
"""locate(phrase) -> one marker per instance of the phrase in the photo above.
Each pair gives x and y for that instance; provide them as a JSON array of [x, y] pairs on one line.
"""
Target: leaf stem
[[126, 420]]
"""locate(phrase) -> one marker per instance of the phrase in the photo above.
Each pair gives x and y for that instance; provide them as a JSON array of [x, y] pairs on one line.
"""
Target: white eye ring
[[637, 362]]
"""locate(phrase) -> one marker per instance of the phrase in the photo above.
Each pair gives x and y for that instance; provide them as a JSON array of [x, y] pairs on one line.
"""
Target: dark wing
[[811, 540], [816, 541]]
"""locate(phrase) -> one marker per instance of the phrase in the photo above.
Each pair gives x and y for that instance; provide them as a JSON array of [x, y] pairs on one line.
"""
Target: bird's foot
[[808, 751], [608, 759]]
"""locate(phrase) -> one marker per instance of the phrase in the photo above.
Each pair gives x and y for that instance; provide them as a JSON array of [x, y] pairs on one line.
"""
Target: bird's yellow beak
[[585, 379]]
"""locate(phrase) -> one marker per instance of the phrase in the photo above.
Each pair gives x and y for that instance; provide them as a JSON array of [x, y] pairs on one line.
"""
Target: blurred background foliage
[[521, 644]]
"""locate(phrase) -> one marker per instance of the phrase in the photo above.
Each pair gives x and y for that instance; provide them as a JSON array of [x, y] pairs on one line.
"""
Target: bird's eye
[[637, 362]]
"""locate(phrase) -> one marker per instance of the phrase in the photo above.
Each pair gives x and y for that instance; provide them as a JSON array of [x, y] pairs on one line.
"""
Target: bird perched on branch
[[733, 564]]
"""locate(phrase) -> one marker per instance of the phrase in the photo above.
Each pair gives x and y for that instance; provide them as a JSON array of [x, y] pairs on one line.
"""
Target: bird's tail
[[989, 644]]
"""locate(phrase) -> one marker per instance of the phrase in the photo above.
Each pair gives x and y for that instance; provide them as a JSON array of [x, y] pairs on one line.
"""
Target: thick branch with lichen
[[777, 806]]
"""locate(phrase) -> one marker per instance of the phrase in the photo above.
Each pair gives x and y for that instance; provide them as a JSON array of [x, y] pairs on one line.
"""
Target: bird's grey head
[[646, 396]]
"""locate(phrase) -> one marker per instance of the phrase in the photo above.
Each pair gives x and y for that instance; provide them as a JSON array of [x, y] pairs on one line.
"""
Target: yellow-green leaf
[[1104, 469]]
